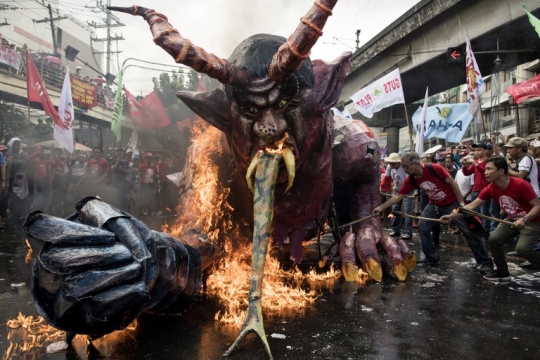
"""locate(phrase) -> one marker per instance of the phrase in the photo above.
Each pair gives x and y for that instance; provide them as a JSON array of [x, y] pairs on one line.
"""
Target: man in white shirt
[[395, 171], [465, 183], [526, 167]]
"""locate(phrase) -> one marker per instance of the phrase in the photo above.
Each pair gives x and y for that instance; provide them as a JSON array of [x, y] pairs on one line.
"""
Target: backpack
[[432, 172]]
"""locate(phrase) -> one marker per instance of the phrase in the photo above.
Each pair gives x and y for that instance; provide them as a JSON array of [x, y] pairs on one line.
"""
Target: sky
[[219, 25]]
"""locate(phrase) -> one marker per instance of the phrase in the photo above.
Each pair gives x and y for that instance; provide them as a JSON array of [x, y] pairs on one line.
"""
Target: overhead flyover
[[417, 43]]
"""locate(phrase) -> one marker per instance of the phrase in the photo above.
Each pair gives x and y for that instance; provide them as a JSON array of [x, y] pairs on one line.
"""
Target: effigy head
[[274, 98]]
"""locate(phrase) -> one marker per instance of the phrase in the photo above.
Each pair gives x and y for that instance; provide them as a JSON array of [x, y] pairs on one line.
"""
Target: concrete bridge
[[417, 42]]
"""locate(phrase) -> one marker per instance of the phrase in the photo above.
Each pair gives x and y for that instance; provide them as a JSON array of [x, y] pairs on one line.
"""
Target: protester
[[120, 169], [525, 166], [3, 180], [395, 171], [134, 181], [521, 206], [148, 171], [477, 167], [18, 183], [444, 193]]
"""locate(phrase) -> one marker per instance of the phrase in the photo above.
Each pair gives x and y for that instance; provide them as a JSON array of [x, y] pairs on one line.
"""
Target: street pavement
[[440, 312]]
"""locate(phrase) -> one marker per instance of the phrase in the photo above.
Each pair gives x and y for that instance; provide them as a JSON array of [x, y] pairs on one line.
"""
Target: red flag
[[38, 93], [138, 114], [524, 90], [153, 105]]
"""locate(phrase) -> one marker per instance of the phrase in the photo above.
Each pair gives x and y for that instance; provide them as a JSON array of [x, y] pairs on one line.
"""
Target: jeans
[[477, 245], [485, 209], [524, 247], [407, 209], [495, 210]]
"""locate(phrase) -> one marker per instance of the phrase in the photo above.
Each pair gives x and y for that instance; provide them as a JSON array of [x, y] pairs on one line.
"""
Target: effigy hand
[[97, 270]]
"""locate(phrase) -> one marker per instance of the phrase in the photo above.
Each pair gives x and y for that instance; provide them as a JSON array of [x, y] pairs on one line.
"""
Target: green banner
[[116, 121], [535, 22]]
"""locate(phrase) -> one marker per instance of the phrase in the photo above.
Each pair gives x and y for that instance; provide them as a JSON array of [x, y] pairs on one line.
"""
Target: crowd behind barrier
[[53, 181], [52, 71]]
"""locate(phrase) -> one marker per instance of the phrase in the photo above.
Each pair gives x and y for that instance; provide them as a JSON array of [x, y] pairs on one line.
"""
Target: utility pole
[[50, 19], [108, 25], [358, 39]]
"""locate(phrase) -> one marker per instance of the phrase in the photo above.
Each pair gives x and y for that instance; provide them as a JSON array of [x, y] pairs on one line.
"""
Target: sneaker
[[497, 276], [486, 268], [474, 265], [528, 265], [406, 236], [393, 233], [428, 262], [512, 253]]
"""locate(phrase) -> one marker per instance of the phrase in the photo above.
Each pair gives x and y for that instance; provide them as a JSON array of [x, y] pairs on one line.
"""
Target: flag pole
[[409, 125]]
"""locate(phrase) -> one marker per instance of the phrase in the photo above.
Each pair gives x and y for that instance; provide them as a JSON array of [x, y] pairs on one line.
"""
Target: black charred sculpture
[[274, 105]]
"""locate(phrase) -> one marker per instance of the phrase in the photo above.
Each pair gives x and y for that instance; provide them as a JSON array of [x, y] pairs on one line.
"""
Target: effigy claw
[[252, 323]]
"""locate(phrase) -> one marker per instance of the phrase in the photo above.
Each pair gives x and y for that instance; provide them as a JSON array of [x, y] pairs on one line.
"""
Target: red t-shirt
[[480, 181], [98, 167], [514, 200], [148, 171], [438, 192]]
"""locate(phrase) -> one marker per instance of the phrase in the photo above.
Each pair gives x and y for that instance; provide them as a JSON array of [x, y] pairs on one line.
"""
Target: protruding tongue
[[267, 169]]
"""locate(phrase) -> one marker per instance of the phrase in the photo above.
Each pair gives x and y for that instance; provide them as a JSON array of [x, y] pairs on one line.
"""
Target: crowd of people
[[53, 181], [495, 186]]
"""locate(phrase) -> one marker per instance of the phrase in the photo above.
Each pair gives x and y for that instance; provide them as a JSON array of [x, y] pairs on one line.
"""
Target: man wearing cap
[[525, 166], [478, 167], [395, 171], [443, 194]]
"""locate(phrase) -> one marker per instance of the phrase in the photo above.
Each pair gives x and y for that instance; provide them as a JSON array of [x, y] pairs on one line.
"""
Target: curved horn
[[184, 52], [291, 54]]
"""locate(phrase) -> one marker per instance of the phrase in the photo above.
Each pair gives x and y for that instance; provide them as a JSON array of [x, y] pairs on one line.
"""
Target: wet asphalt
[[440, 312]]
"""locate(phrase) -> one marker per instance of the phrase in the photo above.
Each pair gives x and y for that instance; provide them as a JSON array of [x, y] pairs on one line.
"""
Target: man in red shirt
[[98, 168], [444, 196], [148, 171], [521, 206], [478, 167]]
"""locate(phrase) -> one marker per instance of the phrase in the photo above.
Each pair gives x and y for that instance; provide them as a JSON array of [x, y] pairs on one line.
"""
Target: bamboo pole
[[402, 214], [474, 213]]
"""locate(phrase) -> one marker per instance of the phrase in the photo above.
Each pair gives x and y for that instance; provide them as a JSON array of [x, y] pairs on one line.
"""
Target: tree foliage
[[14, 123]]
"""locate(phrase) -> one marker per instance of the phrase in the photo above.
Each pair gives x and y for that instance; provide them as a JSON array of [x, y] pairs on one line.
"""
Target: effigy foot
[[252, 323]]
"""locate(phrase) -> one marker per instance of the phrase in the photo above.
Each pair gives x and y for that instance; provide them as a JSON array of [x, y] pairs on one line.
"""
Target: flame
[[28, 335], [277, 148], [29, 252]]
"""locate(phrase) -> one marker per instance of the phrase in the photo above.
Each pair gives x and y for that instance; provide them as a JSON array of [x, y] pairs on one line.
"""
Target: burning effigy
[[287, 156]]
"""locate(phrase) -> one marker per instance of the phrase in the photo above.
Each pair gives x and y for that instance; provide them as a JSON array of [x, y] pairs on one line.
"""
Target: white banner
[[10, 57], [385, 92], [65, 111]]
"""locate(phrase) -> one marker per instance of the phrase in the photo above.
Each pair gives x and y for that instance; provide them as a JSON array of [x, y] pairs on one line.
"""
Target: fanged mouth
[[285, 153]]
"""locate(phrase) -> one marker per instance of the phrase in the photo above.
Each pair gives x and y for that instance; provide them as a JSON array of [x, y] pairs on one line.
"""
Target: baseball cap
[[483, 146], [517, 142]]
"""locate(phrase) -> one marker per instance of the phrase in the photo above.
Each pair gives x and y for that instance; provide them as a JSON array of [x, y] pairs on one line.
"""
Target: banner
[[385, 92], [535, 22], [475, 83], [525, 90], [37, 92], [84, 94], [444, 121], [420, 132], [116, 120], [10, 57], [133, 143], [65, 111]]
